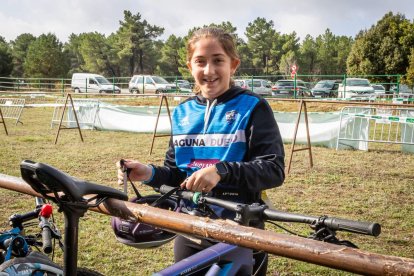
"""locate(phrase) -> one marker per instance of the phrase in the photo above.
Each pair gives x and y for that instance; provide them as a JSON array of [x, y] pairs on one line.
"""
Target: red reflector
[[46, 210]]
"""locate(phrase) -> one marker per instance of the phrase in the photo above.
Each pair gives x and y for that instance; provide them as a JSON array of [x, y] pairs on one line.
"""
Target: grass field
[[374, 186]]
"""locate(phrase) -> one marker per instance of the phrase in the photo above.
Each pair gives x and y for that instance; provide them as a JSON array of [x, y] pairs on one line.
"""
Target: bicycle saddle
[[48, 180]]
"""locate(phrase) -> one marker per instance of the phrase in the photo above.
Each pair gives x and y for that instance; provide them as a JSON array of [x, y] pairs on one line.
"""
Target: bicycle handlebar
[[46, 236], [359, 227], [45, 213], [17, 220]]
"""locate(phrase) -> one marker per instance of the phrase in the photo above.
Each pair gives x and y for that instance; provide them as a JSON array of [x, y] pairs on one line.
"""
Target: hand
[[203, 180], [139, 171]]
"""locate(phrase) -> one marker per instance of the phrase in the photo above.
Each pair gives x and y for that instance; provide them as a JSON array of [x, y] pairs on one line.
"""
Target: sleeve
[[263, 166], [169, 174]]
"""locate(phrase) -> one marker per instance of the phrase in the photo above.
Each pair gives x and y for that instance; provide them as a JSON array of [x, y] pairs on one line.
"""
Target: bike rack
[[68, 97], [308, 147], [3, 122], [154, 134]]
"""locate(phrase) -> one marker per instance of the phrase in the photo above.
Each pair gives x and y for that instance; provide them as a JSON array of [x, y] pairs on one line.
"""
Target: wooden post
[[154, 134], [68, 97], [3, 122], [309, 148]]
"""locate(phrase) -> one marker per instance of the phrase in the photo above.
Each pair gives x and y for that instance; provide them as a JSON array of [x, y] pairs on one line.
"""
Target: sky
[[64, 17]]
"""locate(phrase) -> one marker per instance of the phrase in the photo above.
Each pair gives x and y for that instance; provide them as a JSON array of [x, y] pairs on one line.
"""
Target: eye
[[199, 61]]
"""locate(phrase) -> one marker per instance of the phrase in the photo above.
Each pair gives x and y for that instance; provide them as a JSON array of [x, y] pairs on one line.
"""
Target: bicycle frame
[[17, 257], [14, 242], [219, 259], [12, 239]]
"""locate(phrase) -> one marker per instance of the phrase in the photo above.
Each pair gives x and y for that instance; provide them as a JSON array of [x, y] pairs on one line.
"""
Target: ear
[[234, 65], [189, 66]]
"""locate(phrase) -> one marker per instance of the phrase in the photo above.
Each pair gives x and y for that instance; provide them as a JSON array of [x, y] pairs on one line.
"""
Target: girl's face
[[211, 67]]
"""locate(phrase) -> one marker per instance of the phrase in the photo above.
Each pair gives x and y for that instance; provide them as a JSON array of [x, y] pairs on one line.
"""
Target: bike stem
[[72, 215]]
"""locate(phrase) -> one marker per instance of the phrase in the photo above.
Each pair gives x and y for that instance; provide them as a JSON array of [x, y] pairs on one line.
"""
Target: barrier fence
[[12, 108], [87, 108], [353, 127], [391, 125], [267, 85]]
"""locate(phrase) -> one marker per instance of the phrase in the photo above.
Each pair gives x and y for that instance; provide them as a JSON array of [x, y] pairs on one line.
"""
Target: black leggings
[[184, 248]]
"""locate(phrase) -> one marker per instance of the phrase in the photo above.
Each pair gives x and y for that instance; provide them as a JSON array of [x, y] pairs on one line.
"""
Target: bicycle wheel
[[33, 264], [38, 264], [83, 271]]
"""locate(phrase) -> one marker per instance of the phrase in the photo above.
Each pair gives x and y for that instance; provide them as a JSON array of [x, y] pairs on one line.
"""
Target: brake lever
[[126, 172]]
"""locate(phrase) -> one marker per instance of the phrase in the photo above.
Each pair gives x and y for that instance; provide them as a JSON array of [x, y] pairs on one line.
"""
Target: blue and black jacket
[[238, 129]]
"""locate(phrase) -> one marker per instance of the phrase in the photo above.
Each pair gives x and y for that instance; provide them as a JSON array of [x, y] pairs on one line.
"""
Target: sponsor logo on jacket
[[231, 116], [209, 140], [202, 163]]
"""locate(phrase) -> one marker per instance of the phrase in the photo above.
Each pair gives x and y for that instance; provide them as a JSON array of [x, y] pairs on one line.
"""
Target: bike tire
[[83, 271], [35, 263], [38, 264]]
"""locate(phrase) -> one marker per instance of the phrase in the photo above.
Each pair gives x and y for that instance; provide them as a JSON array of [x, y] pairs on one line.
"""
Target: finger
[[189, 183], [197, 186], [184, 183]]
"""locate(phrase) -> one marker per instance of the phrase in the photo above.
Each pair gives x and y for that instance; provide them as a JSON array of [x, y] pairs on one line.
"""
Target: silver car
[[150, 84], [355, 87], [258, 86]]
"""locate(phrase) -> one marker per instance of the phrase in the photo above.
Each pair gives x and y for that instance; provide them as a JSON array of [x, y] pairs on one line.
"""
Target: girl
[[224, 139]]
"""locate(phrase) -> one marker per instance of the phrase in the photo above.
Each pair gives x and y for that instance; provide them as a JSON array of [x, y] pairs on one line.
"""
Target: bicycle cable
[[285, 229]]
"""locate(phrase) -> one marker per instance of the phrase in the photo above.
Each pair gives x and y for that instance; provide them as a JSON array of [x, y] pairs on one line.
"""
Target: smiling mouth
[[210, 81]]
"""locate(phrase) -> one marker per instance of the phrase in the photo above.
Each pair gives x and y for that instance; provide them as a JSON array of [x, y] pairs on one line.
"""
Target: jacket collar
[[226, 96]]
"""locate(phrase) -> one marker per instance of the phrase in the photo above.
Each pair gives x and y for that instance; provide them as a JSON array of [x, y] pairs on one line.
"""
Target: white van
[[92, 83], [151, 84]]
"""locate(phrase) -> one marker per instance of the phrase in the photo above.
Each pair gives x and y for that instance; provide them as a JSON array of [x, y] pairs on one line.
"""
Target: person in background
[[225, 140]]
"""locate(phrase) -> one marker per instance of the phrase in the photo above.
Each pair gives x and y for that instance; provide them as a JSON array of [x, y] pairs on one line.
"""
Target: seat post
[[70, 256]]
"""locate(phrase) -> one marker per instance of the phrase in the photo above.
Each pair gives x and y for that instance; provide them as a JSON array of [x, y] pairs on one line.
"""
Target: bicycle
[[226, 259], [70, 194], [17, 254]]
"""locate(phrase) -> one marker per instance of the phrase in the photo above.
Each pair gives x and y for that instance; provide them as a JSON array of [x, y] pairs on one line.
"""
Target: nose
[[209, 69]]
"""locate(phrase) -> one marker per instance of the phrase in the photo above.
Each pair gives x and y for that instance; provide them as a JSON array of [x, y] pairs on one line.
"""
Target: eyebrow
[[214, 55]]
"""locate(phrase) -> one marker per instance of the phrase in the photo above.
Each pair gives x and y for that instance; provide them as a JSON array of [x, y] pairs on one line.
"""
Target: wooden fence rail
[[311, 251]]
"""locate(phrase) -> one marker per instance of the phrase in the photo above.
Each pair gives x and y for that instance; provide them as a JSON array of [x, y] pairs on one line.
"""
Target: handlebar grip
[[46, 235], [165, 189], [47, 240], [359, 227]]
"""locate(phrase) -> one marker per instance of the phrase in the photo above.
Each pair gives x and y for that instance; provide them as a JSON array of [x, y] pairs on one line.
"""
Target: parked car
[[379, 89], [355, 87], [286, 88], [150, 84], [402, 89], [184, 87], [325, 88], [92, 83], [183, 82], [259, 86]]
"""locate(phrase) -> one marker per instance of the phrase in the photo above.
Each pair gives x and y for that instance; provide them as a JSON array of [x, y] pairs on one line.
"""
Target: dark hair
[[225, 39]]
